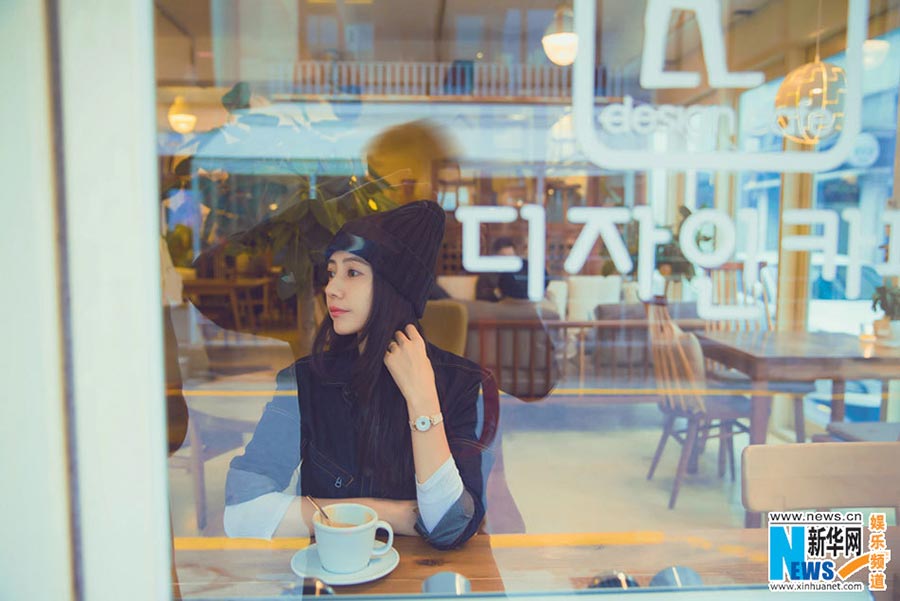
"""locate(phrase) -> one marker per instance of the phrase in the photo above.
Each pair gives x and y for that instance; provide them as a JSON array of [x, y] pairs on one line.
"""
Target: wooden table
[[237, 291], [798, 357], [259, 569], [218, 568]]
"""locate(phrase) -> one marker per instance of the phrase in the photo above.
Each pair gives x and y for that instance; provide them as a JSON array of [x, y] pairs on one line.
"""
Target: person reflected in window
[[379, 415], [513, 288], [487, 287]]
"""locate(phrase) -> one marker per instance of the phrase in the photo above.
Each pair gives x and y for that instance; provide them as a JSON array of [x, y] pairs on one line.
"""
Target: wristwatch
[[423, 423]]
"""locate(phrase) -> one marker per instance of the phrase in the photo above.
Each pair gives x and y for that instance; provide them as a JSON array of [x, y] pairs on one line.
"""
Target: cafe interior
[[708, 185]]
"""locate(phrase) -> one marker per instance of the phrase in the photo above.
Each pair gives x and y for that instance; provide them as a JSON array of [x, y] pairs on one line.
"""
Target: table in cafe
[[798, 357], [235, 568]]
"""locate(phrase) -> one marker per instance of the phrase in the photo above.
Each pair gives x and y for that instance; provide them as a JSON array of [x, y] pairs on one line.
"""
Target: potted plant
[[887, 298], [670, 259], [297, 235]]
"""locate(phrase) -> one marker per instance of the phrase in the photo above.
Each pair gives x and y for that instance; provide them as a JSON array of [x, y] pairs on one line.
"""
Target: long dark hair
[[382, 422]]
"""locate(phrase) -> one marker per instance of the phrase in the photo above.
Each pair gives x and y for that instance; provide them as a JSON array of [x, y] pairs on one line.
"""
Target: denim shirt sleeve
[[273, 453], [447, 534]]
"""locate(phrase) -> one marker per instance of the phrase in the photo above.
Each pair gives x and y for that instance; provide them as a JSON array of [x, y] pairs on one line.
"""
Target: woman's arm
[[447, 508], [272, 455], [408, 363], [471, 416], [254, 497], [257, 518]]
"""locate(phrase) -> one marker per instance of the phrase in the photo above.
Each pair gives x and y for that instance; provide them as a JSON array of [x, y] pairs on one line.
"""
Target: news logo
[[820, 551], [630, 136]]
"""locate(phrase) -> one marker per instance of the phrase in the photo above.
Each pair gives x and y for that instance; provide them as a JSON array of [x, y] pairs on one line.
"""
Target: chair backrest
[[460, 287], [821, 475], [559, 291], [677, 361], [588, 291], [510, 340], [446, 324], [728, 288]]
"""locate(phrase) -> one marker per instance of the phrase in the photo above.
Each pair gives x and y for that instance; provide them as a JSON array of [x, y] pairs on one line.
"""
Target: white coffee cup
[[347, 549]]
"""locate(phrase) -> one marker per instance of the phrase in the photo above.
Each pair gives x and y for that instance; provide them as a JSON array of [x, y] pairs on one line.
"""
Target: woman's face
[[349, 292]]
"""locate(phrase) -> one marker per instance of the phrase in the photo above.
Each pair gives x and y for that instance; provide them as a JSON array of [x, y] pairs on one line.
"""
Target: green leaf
[[322, 215]]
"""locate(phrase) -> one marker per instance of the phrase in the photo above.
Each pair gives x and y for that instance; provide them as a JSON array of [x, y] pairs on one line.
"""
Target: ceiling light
[[560, 41], [809, 103], [180, 117]]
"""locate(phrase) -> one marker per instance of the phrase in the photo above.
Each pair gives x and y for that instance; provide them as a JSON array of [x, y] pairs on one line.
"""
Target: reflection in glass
[[304, 116]]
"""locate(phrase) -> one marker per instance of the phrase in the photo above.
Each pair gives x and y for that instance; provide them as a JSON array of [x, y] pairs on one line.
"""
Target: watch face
[[423, 423]]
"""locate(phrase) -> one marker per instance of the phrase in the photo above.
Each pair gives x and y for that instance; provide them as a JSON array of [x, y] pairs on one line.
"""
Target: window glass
[[582, 314]]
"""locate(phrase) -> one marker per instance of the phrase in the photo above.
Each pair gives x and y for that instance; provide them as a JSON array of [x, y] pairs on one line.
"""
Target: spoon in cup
[[325, 519]]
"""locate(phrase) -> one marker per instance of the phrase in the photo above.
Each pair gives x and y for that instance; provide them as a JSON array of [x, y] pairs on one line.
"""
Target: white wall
[[35, 556], [114, 304]]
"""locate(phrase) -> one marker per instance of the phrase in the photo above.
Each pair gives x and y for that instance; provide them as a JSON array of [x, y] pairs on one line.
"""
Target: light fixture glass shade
[[809, 104], [180, 117], [560, 41]]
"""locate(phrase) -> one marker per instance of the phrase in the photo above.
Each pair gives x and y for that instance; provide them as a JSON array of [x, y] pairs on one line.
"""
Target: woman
[[380, 415]]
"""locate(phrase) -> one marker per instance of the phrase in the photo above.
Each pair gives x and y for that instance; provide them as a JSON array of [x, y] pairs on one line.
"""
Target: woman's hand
[[411, 369], [408, 363]]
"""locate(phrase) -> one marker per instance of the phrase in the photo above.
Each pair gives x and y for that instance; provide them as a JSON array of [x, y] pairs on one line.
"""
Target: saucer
[[305, 562]]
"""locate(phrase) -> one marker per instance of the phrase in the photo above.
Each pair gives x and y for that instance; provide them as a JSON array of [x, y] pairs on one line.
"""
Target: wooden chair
[[519, 352], [502, 516], [679, 370], [728, 288], [446, 324], [823, 475]]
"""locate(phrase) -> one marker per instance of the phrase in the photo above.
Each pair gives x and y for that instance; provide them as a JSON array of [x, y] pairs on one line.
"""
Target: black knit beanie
[[401, 245]]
